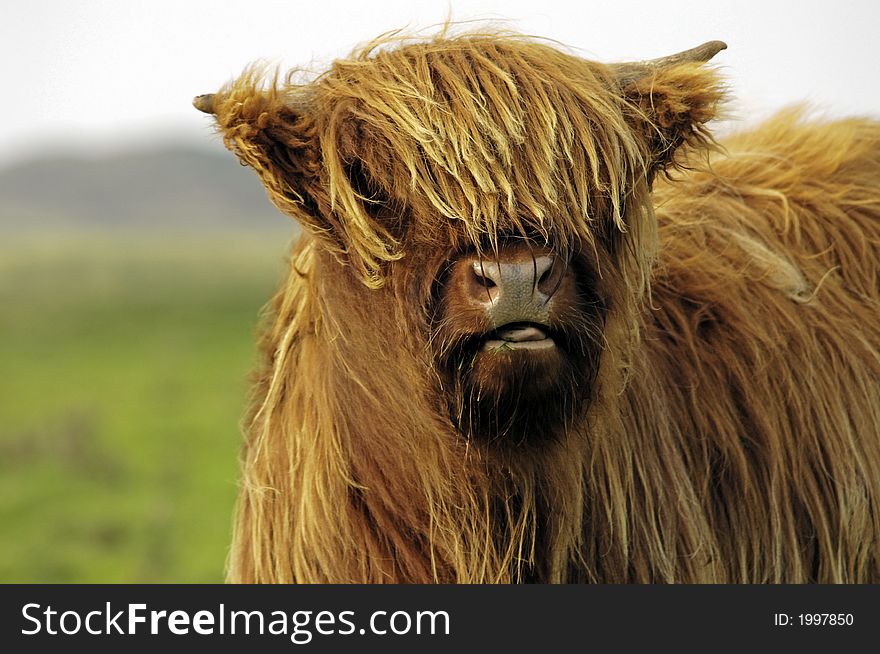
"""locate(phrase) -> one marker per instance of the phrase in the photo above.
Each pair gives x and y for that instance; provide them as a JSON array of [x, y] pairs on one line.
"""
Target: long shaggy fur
[[732, 429]]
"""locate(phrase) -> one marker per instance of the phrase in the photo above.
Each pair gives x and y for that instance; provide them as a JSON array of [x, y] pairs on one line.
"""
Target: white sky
[[96, 74]]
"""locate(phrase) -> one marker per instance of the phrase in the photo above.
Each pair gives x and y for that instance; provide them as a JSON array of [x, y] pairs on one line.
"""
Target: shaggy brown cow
[[500, 356]]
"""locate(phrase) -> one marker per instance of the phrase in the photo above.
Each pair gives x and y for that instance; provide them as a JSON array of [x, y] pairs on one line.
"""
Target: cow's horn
[[631, 71], [204, 103]]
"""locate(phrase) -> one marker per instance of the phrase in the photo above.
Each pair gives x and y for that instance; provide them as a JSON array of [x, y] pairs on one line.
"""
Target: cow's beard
[[519, 398]]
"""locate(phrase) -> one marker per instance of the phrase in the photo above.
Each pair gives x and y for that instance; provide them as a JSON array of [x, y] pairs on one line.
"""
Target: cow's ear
[[270, 128], [668, 102], [308, 158]]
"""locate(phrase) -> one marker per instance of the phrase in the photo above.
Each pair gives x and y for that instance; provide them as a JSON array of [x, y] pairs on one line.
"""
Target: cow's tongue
[[518, 336], [519, 333]]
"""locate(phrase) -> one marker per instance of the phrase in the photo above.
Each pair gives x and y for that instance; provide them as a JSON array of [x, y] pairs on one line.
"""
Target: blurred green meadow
[[124, 361]]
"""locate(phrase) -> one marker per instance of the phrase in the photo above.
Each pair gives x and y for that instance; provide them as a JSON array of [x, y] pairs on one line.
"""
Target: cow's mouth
[[519, 382], [517, 336]]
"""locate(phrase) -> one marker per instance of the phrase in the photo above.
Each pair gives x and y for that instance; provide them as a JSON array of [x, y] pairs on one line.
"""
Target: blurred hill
[[172, 189]]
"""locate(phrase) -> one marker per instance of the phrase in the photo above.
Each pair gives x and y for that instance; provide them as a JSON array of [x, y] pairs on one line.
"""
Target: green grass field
[[124, 375]]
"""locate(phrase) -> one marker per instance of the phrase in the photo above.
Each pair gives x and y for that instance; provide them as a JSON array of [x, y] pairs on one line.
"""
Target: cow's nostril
[[551, 274], [545, 276], [484, 280], [487, 274]]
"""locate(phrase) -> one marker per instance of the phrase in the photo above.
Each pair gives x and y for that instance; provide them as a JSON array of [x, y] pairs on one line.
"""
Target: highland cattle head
[[485, 201]]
